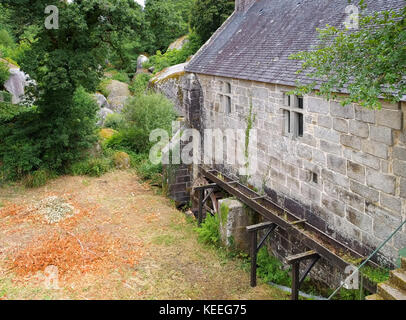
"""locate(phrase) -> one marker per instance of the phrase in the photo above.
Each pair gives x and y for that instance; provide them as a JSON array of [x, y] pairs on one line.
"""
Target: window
[[293, 123], [315, 178], [225, 99]]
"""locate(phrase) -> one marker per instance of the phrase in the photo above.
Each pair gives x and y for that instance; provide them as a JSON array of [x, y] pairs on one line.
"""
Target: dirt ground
[[124, 242]]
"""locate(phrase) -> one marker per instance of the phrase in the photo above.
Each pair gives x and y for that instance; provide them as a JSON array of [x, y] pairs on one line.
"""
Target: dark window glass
[[300, 124], [300, 103]]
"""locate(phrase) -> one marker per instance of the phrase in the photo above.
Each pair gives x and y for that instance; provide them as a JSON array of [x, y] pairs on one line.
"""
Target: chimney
[[243, 5]]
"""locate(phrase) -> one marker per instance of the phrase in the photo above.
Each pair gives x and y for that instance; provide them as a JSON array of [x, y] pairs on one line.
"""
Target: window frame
[[294, 106]]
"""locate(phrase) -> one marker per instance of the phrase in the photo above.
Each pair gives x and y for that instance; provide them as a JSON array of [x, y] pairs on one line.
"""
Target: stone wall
[[347, 173]]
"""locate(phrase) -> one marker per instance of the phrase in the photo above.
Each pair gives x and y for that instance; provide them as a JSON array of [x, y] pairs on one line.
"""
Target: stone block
[[259, 93], [384, 222], [335, 206], [389, 118], [303, 151], [234, 217], [359, 128], [356, 171], [337, 110], [377, 149], [403, 188], [326, 134], [381, 134], [311, 194], [324, 121], [334, 177], [318, 105], [382, 182], [330, 147], [360, 220], [364, 114], [369, 194], [366, 159], [399, 153], [391, 203], [336, 164], [352, 199], [351, 141], [399, 168], [319, 157], [340, 125]]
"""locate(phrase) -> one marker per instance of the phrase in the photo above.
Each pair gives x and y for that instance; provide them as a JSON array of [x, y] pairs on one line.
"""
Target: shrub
[[148, 171], [38, 178], [121, 76], [102, 87], [114, 121], [209, 232], [143, 114], [4, 73], [140, 84], [94, 167], [6, 39], [270, 269]]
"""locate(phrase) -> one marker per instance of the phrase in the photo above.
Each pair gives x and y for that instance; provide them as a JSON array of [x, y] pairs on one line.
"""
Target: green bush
[[102, 87], [114, 121], [270, 269], [140, 84], [121, 76], [148, 171], [6, 39], [176, 56], [143, 114], [38, 178], [5, 96], [4, 73], [41, 138], [94, 167], [209, 232]]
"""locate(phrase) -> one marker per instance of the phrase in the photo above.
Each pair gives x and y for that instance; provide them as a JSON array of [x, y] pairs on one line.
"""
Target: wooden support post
[[200, 212], [254, 247], [295, 281], [253, 251]]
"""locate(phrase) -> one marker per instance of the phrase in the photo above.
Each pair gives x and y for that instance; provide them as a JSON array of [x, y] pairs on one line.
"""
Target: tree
[[62, 61], [367, 63], [165, 23], [208, 15]]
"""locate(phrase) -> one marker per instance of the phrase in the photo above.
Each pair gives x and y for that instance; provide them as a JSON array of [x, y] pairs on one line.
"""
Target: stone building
[[343, 169]]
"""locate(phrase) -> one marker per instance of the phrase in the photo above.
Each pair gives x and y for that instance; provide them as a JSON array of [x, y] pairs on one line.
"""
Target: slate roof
[[255, 45]]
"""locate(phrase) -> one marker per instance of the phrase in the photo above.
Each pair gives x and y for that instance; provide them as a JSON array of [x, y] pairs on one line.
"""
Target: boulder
[[102, 115], [101, 101], [169, 83], [140, 62], [122, 160], [16, 84], [118, 94], [178, 43]]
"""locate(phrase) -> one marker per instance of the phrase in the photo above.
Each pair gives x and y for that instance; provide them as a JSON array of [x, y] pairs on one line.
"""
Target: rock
[[122, 160], [118, 94], [178, 43], [169, 83], [101, 101], [140, 62], [16, 84], [102, 115]]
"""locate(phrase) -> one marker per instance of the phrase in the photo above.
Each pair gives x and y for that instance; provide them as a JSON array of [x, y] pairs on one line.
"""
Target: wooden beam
[[209, 186], [259, 226], [258, 198], [301, 256]]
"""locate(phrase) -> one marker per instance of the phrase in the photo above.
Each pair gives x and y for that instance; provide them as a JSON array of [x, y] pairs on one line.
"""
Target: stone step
[[398, 278], [390, 292], [374, 297], [404, 264]]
